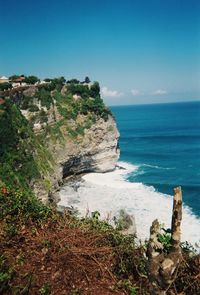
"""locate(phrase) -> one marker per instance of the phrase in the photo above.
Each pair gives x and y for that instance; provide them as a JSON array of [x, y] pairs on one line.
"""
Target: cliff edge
[[55, 130]]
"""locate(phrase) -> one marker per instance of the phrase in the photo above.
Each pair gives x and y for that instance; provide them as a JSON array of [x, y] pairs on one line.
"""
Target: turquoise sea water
[[163, 140]]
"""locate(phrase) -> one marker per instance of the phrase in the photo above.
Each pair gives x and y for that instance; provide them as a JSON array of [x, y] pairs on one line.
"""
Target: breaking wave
[[110, 192]]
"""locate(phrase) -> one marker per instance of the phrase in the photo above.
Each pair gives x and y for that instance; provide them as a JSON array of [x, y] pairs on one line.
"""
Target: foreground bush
[[45, 252]]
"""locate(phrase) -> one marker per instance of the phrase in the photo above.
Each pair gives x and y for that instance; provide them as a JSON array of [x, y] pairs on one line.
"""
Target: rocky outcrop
[[74, 132], [97, 151]]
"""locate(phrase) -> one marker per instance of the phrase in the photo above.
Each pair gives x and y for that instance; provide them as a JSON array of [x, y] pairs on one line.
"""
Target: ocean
[[160, 149], [163, 141]]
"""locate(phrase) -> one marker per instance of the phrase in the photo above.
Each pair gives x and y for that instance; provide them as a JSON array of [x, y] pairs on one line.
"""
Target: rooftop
[[3, 78]]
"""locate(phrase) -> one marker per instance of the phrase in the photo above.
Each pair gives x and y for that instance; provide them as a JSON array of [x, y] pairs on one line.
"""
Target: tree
[[62, 80], [45, 97], [87, 80], [5, 86], [13, 77], [73, 81], [95, 90], [31, 80]]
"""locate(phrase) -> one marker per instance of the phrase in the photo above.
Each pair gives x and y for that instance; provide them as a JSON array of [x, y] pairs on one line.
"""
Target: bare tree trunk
[[176, 219], [162, 267]]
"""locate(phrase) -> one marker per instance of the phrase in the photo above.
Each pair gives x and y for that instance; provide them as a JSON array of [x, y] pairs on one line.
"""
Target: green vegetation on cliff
[[60, 109], [23, 155], [18, 166]]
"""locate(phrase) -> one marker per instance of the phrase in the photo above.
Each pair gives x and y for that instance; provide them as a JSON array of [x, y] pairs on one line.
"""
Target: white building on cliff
[[4, 79]]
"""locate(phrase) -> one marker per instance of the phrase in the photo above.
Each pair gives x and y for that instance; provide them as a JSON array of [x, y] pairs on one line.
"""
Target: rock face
[[125, 223], [98, 151]]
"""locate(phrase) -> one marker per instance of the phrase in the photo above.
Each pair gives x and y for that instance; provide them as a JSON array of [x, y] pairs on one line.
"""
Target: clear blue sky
[[140, 51]]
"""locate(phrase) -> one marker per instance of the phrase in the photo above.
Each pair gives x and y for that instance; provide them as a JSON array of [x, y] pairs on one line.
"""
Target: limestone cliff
[[72, 132], [96, 151]]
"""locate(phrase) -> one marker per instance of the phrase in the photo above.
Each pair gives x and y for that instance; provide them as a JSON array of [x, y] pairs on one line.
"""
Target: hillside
[[49, 133]]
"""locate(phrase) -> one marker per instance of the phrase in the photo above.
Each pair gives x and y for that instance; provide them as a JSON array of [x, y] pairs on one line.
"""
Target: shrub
[[5, 274], [33, 108], [43, 118], [18, 203], [95, 90], [78, 89], [45, 97], [31, 79], [73, 81], [5, 86], [26, 102], [80, 129]]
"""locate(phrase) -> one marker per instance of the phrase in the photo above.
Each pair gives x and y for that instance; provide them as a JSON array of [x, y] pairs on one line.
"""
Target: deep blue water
[[164, 141]]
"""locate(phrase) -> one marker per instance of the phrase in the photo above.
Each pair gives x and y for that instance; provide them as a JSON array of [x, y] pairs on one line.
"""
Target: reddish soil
[[68, 260]]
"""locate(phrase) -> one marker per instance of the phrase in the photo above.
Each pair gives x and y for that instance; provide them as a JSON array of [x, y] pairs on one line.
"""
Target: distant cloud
[[160, 92], [110, 93], [136, 92]]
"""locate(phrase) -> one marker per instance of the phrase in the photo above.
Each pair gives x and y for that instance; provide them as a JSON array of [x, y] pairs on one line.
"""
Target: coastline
[[109, 192]]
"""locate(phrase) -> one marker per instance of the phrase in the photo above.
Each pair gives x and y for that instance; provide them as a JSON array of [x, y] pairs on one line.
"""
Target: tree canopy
[[87, 80], [31, 79]]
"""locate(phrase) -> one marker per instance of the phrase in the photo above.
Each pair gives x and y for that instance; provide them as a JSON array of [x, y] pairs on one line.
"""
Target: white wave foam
[[157, 167], [110, 192]]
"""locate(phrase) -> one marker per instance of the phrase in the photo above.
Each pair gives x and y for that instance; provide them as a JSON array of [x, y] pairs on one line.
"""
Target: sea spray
[[110, 192]]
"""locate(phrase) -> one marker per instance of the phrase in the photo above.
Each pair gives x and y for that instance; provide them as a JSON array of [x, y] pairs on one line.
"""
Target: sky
[[140, 51]]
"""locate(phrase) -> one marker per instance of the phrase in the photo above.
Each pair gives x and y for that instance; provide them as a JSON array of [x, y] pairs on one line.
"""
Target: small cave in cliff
[[77, 165]]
